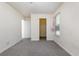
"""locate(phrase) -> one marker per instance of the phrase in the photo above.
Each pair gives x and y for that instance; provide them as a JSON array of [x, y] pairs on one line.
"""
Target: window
[[57, 24]]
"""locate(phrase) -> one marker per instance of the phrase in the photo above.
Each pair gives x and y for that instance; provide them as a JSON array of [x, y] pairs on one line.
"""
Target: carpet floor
[[26, 47]]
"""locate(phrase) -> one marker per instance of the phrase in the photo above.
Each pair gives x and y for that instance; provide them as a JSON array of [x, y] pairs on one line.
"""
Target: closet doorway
[[42, 28]]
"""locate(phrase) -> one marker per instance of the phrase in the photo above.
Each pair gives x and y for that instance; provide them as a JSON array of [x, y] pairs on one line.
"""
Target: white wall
[[35, 26], [69, 38], [26, 28], [10, 26]]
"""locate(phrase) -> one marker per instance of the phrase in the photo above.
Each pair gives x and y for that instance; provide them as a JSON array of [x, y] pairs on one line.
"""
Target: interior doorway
[[42, 28]]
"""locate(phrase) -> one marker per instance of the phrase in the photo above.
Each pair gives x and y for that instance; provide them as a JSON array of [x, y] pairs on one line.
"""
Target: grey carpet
[[35, 48]]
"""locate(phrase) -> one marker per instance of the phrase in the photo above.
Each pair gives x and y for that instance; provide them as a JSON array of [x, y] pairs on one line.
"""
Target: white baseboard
[[34, 39], [7, 47], [63, 48]]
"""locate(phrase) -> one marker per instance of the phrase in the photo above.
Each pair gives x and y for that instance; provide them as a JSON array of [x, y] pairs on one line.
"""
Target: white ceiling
[[26, 8]]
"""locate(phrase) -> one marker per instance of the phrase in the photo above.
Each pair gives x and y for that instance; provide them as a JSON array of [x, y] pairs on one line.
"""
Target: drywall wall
[[10, 26], [35, 26], [69, 28], [26, 28]]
